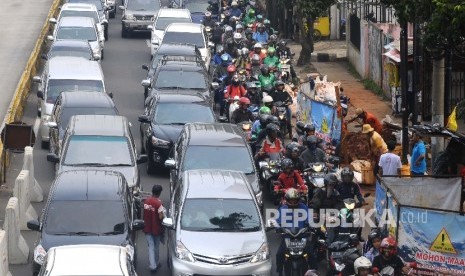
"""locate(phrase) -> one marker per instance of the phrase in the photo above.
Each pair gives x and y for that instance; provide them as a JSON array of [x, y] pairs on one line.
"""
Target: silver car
[[215, 226], [138, 15]]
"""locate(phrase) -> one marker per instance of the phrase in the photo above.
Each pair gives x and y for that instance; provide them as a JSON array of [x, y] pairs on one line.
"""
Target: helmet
[[311, 141], [260, 25], [231, 68], [388, 247], [299, 127], [274, 120], [258, 45], [264, 110], [245, 51], [219, 49], [273, 37], [271, 50], [330, 179], [270, 127], [265, 69], [244, 101], [292, 197], [347, 175], [293, 147], [278, 83], [251, 12], [239, 26], [235, 79], [208, 14], [234, 3], [225, 57], [237, 37], [267, 99], [266, 22], [263, 119], [256, 59], [309, 127], [287, 164], [374, 234], [259, 17], [228, 29], [283, 43]]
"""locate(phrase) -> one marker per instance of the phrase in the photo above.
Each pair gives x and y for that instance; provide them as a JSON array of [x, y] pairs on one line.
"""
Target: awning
[[394, 51], [393, 54]]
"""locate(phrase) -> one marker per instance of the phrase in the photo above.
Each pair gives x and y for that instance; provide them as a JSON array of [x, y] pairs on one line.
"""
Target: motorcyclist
[[249, 41], [216, 59], [235, 10], [271, 60], [293, 151], [289, 178], [271, 144], [327, 197], [309, 129], [250, 17], [268, 27], [268, 101], [371, 248], [232, 90], [273, 41], [253, 93], [221, 71], [312, 154], [261, 122], [266, 79], [258, 21], [283, 51], [388, 257], [285, 219], [230, 47], [207, 20], [228, 33], [257, 49], [261, 35], [299, 131], [240, 29], [347, 188], [279, 95], [362, 266], [217, 33], [213, 7], [242, 113]]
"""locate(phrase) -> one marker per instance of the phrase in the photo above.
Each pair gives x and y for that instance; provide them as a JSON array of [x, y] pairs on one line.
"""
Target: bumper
[[186, 268], [159, 155], [137, 25]]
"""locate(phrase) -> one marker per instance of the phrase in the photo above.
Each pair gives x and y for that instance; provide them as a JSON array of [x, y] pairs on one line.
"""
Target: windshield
[[143, 5], [159, 56], [71, 111], [71, 52], [93, 217], [91, 14], [224, 215], [163, 22], [210, 157], [189, 38], [97, 3], [182, 113], [93, 150], [172, 80], [77, 33], [197, 6], [55, 87]]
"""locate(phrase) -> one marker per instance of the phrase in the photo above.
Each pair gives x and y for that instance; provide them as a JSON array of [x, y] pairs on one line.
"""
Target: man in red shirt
[[154, 212], [290, 178], [367, 118]]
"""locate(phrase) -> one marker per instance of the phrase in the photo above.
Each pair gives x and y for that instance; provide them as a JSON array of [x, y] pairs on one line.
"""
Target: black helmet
[[278, 83], [274, 120], [311, 141], [293, 147], [350, 255], [330, 179], [270, 128], [264, 119], [265, 69], [309, 127], [299, 127], [287, 164], [375, 234], [347, 175]]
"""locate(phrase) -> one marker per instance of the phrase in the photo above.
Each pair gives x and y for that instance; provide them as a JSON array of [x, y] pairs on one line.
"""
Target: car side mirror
[[33, 225], [37, 79], [145, 67], [223, 119], [168, 222], [97, 57], [121, 8], [50, 38], [110, 94], [215, 85], [143, 158], [211, 44], [170, 164], [138, 224], [145, 83], [52, 157], [52, 20], [53, 125], [40, 95], [44, 57], [144, 119]]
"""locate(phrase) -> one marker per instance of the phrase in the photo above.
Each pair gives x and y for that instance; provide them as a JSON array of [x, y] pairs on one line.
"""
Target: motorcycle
[[279, 193], [342, 260], [314, 177], [285, 69], [270, 169], [254, 108], [246, 127], [281, 113]]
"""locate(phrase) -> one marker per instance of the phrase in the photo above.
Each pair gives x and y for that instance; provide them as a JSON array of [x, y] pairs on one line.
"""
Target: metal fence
[[371, 10]]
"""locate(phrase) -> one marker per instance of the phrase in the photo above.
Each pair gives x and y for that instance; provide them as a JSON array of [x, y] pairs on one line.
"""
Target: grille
[[143, 17], [224, 260]]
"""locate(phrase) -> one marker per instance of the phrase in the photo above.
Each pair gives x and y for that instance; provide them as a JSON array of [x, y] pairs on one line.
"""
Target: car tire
[[151, 167], [124, 32], [102, 55], [45, 144], [105, 34]]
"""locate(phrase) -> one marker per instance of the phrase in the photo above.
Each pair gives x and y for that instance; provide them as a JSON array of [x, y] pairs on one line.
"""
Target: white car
[[164, 18], [80, 28], [189, 33], [88, 259], [83, 10]]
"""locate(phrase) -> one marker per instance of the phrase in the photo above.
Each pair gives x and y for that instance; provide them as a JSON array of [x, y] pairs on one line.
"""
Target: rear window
[[181, 37]]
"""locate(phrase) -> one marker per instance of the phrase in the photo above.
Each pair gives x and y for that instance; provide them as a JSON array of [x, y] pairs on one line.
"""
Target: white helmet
[[258, 45], [361, 262], [267, 99], [236, 98], [237, 36]]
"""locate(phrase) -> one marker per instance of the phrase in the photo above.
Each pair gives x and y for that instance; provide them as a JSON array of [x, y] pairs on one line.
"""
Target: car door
[[175, 207], [178, 155], [54, 131]]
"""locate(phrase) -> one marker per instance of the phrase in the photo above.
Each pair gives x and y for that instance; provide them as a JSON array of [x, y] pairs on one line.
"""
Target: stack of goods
[[355, 146]]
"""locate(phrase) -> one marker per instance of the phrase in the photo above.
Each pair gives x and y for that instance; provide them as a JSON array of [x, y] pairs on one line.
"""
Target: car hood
[[49, 241], [167, 132], [149, 14], [232, 243], [130, 173]]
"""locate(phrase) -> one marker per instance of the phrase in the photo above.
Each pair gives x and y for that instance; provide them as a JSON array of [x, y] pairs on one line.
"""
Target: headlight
[[182, 253], [281, 116], [39, 254], [159, 142], [263, 165], [262, 254], [259, 198], [129, 17], [246, 127], [317, 168]]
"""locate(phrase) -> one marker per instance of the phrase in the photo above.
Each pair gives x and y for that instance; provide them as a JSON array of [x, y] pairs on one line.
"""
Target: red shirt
[[152, 208], [373, 122], [292, 181], [270, 147], [235, 90]]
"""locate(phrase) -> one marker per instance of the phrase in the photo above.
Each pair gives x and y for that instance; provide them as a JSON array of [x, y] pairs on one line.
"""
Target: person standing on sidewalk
[[367, 118], [389, 163], [418, 161], [154, 213]]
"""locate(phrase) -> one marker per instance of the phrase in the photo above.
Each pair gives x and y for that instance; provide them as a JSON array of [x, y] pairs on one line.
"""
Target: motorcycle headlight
[[39, 254], [182, 253], [129, 17], [159, 142], [263, 165], [339, 267], [261, 255], [317, 168], [246, 127], [281, 116]]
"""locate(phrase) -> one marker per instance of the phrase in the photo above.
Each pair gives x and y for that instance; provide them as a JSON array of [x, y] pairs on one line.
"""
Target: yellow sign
[[442, 243]]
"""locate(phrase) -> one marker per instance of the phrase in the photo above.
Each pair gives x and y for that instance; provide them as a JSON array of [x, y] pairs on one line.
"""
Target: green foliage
[[373, 87]]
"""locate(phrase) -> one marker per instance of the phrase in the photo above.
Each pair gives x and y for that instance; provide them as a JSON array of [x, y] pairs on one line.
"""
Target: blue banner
[[435, 240], [380, 200], [303, 108], [322, 118], [392, 206]]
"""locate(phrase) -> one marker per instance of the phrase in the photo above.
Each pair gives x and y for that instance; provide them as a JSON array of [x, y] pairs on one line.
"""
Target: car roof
[[177, 65], [184, 28], [76, 21], [101, 125], [87, 259], [178, 49], [175, 13], [216, 184], [83, 185], [180, 98], [79, 6], [214, 134], [86, 99], [70, 43], [64, 67]]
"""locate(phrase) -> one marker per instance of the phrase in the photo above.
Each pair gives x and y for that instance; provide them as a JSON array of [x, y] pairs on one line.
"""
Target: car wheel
[[105, 34], [124, 32], [102, 57], [45, 144], [151, 167]]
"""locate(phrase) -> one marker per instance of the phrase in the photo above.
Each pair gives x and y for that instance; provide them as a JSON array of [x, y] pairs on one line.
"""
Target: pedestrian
[[389, 162], [367, 118], [154, 212], [418, 161], [377, 145]]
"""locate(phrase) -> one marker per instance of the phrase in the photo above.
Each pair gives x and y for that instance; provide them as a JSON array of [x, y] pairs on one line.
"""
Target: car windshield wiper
[[89, 164], [112, 233], [80, 233], [209, 230], [119, 165], [176, 124], [247, 229], [168, 87]]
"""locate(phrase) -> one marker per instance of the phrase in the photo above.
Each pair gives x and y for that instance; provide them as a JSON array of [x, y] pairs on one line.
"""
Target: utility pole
[[417, 85], [448, 82], [437, 143], [404, 88]]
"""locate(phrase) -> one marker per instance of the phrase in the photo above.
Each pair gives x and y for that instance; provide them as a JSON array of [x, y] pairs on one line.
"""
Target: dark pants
[[416, 174], [311, 259]]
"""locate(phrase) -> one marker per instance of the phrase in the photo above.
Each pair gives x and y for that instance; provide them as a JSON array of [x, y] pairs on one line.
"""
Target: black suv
[[87, 207], [175, 74], [214, 146], [163, 121], [174, 50]]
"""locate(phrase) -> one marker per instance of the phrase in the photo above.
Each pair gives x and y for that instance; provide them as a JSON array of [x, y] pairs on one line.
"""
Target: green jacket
[[248, 20], [266, 81], [272, 61]]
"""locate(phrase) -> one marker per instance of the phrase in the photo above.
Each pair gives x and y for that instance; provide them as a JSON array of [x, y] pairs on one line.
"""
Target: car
[[101, 5], [100, 142], [163, 120], [64, 74], [198, 9], [216, 146], [83, 10], [138, 15], [88, 259], [215, 225], [73, 103], [189, 33], [70, 48], [163, 19], [86, 207], [174, 74], [80, 28], [173, 50]]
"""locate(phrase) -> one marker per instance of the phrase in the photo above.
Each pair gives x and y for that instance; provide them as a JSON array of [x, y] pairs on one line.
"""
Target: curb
[[326, 57], [16, 106]]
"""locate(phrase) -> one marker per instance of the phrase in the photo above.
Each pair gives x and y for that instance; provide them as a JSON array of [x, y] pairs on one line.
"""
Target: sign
[[442, 243]]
